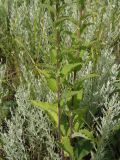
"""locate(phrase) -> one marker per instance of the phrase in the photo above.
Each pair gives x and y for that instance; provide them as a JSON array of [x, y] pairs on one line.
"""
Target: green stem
[[74, 78], [58, 78], [58, 67], [8, 16]]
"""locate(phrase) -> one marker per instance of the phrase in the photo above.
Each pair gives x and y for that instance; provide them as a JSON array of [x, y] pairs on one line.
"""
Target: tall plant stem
[[58, 84], [58, 67], [80, 14], [58, 77], [9, 15]]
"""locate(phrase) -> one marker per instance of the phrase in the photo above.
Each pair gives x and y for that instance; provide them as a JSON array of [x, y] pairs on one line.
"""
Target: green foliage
[[66, 145], [68, 68], [63, 52], [51, 109]]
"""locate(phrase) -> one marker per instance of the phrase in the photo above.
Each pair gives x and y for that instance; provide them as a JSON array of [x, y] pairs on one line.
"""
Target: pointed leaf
[[68, 68], [43, 72], [53, 56], [51, 109], [84, 133], [45, 105], [68, 95], [66, 145], [52, 84]]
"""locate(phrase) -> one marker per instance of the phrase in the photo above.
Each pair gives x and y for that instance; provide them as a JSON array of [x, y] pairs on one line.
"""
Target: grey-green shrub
[[31, 37], [103, 103], [109, 124], [3, 108], [29, 133]]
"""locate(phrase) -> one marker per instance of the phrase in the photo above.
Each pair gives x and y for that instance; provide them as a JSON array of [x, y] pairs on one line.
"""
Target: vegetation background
[[59, 79]]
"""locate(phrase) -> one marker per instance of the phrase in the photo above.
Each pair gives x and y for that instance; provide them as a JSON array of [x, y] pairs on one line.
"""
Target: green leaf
[[81, 111], [51, 109], [86, 149], [79, 117], [78, 98], [68, 68], [64, 126], [83, 148], [84, 133], [82, 3], [52, 84], [79, 82], [66, 145], [43, 72], [72, 57], [68, 95], [53, 56], [79, 95]]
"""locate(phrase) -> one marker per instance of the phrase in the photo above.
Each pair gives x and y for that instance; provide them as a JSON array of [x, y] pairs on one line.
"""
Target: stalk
[[58, 67], [58, 78], [58, 84], [80, 14], [8, 16]]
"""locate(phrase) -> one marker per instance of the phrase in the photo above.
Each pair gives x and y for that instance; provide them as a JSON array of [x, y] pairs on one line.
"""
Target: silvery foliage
[[39, 87], [2, 73], [105, 66], [100, 95], [29, 132], [106, 70], [105, 13], [103, 17], [99, 92], [28, 125], [32, 23], [3, 92], [109, 122]]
